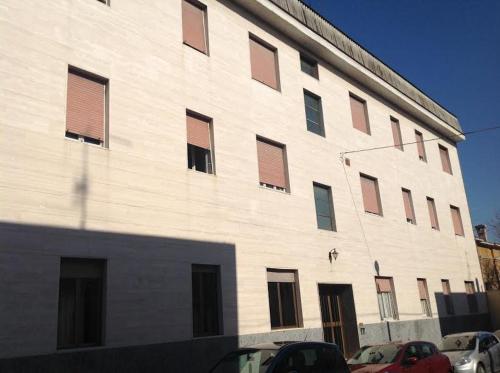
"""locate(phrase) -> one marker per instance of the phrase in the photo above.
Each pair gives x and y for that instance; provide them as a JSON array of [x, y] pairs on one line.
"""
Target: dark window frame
[[377, 189], [217, 326], [310, 62], [204, 8], [367, 117], [321, 125], [331, 216], [296, 301], [422, 141], [194, 151], [448, 301], [274, 49], [409, 220]]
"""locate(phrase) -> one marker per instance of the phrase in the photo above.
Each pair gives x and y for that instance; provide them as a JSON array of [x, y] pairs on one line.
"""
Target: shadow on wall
[[148, 303], [462, 312]]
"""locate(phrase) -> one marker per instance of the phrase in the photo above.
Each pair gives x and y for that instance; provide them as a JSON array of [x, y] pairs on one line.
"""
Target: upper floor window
[[86, 107], [371, 195], [445, 159], [194, 25], [447, 297], [199, 143], [431, 206], [284, 298], [457, 220], [396, 134], [272, 164], [419, 138], [359, 114], [206, 300], [408, 204], [264, 62], [325, 215], [424, 297], [386, 298], [309, 66], [314, 113], [80, 313]]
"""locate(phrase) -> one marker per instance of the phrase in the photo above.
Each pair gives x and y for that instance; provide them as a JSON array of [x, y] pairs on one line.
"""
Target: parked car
[[411, 357], [284, 357], [473, 352]]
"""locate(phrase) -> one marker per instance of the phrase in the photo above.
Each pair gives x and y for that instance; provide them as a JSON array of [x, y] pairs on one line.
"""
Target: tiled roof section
[[325, 29]]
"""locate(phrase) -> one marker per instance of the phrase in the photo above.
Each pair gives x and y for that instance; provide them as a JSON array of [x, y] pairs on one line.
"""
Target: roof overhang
[[281, 16]]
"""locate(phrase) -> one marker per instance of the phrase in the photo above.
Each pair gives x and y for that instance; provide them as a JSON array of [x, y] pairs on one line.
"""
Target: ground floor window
[[386, 298], [284, 298], [206, 300], [470, 290], [81, 290], [424, 297]]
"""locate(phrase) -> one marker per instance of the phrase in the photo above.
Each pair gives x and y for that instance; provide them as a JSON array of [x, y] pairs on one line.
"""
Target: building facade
[[181, 178]]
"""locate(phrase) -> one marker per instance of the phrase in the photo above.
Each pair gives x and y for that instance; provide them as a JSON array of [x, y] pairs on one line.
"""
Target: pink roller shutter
[[358, 113], [383, 285], [271, 164], [422, 289], [193, 26], [198, 132], [370, 195], [408, 205], [432, 213], [445, 159], [396, 134], [457, 221], [85, 106], [263, 64], [419, 138]]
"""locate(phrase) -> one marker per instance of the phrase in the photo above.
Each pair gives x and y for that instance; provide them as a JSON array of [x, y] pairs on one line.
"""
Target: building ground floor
[[80, 301]]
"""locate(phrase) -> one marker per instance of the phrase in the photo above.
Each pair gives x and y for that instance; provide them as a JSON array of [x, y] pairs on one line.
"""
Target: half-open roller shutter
[[422, 289], [85, 106], [407, 204], [198, 132], [383, 285], [280, 276], [271, 164]]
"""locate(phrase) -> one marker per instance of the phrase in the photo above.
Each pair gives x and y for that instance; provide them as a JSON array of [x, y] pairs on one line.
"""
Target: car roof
[[467, 334], [280, 344]]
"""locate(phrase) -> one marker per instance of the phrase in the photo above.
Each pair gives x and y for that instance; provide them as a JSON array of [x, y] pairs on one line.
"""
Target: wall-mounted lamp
[[333, 254]]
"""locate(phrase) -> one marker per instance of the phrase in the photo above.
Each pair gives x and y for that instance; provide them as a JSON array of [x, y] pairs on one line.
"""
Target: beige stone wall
[[141, 184]]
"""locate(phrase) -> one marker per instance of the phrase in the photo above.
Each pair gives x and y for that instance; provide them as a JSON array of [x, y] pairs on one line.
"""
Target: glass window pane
[[287, 296], [272, 288]]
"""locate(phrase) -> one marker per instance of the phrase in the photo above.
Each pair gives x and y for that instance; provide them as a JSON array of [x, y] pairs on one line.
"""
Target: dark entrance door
[[339, 317]]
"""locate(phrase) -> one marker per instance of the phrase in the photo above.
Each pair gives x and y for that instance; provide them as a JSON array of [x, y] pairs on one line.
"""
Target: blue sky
[[451, 50]]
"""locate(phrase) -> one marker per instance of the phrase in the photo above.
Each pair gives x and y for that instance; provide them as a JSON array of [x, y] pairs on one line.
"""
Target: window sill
[[373, 214], [196, 49], [196, 172], [201, 337], [78, 349], [278, 328], [274, 190], [103, 147], [277, 89]]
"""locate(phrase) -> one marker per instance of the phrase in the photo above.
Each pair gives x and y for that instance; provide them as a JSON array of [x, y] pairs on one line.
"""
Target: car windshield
[[458, 343], [383, 354], [246, 361]]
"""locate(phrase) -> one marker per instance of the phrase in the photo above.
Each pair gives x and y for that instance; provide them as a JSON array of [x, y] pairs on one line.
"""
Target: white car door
[[494, 351]]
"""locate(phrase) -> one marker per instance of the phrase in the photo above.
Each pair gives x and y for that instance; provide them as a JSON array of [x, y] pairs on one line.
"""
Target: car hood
[[368, 368], [454, 356]]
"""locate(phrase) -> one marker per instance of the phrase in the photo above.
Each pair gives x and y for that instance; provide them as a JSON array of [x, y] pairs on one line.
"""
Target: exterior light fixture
[[333, 254]]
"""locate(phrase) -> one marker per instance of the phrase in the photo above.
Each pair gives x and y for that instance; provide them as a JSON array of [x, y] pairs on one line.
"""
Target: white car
[[472, 352]]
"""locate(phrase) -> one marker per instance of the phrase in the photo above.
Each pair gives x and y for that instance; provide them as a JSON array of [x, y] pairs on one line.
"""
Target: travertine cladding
[[141, 185]]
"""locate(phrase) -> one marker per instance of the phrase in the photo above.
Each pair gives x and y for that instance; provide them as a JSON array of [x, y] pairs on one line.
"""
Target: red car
[[412, 357]]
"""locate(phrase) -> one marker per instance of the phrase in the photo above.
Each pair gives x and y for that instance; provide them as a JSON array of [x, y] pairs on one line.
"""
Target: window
[[445, 159], [325, 216], [199, 144], [80, 315], [386, 299], [194, 25], [314, 113], [419, 138], [86, 107], [447, 297], [457, 221], [371, 195], [396, 134], [206, 300], [359, 114], [427, 350], [470, 292], [272, 164], [264, 62], [309, 66], [284, 298], [408, 204], [431, 206], [424, 297]]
